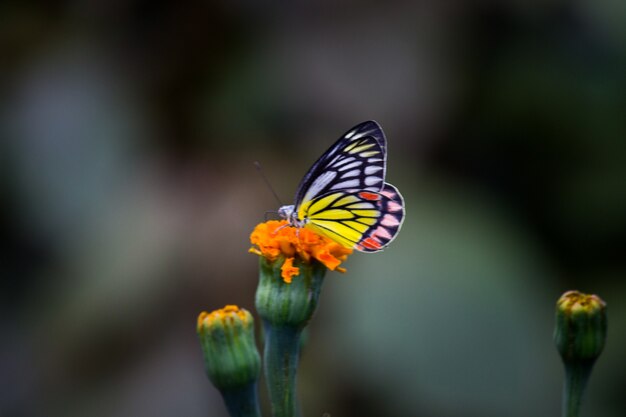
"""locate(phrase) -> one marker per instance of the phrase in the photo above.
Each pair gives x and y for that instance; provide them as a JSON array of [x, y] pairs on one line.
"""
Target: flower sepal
[[292, 304]]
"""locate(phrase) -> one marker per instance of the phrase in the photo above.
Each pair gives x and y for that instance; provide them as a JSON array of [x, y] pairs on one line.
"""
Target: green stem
[[576, 377], [282, 346], [242, 402]]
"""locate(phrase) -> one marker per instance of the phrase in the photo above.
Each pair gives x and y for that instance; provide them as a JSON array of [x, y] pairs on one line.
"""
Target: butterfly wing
[[363, 220], [357, 161]]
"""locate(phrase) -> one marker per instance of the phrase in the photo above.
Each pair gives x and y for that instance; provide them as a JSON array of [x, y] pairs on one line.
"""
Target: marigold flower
[[275, 238], [288, 270]]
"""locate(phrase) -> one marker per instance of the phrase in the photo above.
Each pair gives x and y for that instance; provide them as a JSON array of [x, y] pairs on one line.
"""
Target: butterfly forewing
[[360, 219], [357, 161]]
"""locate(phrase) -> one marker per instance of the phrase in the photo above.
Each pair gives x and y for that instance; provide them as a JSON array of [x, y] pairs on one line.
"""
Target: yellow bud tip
[[576, 302], [222, 315]]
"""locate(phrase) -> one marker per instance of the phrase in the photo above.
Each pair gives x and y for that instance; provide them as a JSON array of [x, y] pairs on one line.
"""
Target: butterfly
[[344, 196]]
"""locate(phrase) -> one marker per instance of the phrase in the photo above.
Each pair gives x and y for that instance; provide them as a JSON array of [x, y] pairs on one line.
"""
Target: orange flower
[[288, 270], [274, 238]]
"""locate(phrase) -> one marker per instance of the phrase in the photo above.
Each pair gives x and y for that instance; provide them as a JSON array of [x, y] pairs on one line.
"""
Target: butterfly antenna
[[257, 165]]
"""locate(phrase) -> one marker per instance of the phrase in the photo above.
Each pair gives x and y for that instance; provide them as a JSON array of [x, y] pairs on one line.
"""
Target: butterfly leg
[[298, 228], [279, 228]]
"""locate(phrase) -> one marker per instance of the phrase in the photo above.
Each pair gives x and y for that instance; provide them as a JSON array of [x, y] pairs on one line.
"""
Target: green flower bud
[[230, 354], [581, 324], [289, 304], [579, 335]]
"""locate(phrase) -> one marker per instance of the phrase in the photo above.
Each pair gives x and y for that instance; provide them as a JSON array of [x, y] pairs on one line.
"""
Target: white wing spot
[[345, 184], [389, 194], [382, 232], [390, 221], [353, 173], [373, 160], [319, 183], [372, 180], [362, 205], [360, 135], [393, 207], [343, 161], [372, 169], [350, 166], [349, 134]]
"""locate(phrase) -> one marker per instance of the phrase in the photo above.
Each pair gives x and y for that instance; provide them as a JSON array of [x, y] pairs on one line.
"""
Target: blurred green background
[[129, 131]]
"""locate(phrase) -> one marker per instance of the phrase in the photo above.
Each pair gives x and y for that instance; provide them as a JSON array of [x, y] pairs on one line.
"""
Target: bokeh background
[[129, 131]]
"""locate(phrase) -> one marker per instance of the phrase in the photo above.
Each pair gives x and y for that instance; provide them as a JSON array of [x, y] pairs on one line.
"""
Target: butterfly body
[[289, 213], [344, 195]]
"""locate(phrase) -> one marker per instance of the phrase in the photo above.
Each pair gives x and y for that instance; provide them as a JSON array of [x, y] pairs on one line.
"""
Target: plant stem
[[282, 346], [576, 377], [242, 402]]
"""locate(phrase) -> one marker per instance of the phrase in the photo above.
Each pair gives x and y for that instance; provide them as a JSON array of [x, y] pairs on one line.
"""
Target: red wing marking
[[369, 196], [370, 243]]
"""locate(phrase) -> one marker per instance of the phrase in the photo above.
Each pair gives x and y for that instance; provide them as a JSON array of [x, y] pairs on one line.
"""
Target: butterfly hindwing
[[386, 230], [360, 219], [356, 161]]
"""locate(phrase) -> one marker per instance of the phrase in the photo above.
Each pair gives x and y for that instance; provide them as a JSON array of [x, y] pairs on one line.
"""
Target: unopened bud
[[230, 354], [581, 324]]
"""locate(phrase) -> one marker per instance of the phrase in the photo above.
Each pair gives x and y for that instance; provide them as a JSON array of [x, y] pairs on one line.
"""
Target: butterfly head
[[288, 213]]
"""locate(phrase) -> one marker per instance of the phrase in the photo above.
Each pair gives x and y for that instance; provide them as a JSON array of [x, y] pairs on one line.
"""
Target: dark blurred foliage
[[128, 132], [560, 82]]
